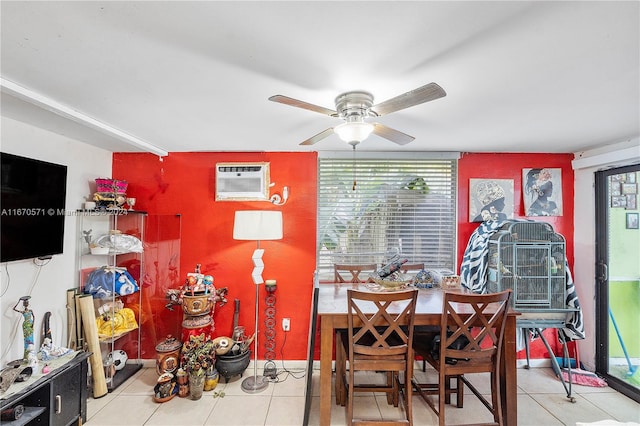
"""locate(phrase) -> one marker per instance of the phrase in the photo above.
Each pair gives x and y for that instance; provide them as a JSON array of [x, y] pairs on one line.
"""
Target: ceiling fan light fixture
[[353, 131]]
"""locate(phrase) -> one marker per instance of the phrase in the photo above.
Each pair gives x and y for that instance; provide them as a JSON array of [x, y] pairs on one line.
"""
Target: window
[[371, 209]]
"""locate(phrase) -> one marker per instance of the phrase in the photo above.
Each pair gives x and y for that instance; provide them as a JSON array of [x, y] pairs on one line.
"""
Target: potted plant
[[198, 357]]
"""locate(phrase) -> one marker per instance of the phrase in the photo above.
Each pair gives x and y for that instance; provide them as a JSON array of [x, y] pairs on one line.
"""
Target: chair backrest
[[411, 267], [352, 273], [481, 319], [381, 323]]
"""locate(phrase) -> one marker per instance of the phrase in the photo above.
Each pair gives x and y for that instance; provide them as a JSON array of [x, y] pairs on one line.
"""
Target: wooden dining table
[[332, 313]]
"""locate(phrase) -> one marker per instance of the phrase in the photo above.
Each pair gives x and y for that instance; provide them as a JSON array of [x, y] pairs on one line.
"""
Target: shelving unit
[[114, 280]]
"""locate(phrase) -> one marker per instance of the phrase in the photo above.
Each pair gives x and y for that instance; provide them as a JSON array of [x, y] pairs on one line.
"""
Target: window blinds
[[371, 209]]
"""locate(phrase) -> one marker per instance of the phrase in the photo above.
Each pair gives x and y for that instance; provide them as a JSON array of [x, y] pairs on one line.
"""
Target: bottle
[[391, 267]]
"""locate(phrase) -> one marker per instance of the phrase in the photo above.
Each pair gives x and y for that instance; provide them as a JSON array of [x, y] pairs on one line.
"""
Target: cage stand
[[538, 325]]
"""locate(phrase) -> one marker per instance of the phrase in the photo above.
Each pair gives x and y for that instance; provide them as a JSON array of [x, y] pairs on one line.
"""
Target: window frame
[[446, 193]]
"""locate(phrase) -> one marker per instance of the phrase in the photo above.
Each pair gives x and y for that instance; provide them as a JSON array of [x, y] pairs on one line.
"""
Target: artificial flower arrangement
[[198, 355]]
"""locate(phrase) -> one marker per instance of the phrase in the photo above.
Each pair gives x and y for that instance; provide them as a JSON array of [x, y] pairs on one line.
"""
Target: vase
[[211, 380], [196, 385]]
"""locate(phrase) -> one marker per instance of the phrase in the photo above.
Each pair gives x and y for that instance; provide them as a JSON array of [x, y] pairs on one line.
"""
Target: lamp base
[[254, 384]]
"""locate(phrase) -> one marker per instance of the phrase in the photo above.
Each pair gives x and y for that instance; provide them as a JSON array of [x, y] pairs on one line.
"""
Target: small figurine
[[32, 358], [49, 351], [27, 324]]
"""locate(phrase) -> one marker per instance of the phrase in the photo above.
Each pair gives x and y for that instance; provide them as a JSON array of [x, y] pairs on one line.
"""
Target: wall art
[[490, 199], [619, 201], [542, 191], [629, 188]]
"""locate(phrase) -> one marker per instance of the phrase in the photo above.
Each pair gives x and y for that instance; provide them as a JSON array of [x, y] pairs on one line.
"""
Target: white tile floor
[[541, 401]]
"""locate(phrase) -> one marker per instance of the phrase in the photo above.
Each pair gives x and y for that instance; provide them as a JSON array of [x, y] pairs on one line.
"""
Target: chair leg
[[459, 392], [350, 399], [393, 380], [341, 370], [441, 397], [408, 393], [447, 387], [526, 345], [495, 398], [390, 383]]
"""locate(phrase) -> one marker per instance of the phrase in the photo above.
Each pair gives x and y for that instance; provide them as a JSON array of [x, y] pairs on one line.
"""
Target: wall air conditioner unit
[[242, 181]]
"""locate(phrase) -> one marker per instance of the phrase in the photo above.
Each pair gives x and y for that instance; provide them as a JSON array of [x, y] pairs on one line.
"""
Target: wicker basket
[[386, 285]]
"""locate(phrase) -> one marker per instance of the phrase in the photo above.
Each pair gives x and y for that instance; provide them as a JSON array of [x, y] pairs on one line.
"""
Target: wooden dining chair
[[470, 341], [344, 273], [347, 273], [378, 338]]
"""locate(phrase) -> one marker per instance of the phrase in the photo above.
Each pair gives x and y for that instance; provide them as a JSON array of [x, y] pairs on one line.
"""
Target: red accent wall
[[184, 183], [509, 166]]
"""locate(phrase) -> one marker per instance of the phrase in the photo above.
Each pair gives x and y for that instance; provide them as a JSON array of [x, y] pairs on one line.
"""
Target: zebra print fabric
[[473, 275]]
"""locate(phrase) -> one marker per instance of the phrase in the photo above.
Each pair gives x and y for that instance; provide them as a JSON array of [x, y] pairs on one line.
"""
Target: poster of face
[[490, 199], [542, 192]]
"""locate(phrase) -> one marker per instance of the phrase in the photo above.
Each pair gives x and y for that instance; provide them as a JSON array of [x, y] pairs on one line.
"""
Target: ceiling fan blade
[[301, 104], [317, 138], [423, 94], [393, 135]]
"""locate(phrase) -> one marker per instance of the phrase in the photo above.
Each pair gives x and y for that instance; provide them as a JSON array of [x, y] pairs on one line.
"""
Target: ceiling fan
[[357, 106]]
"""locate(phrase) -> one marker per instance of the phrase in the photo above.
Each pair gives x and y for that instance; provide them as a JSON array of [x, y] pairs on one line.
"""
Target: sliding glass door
[[618, 279]]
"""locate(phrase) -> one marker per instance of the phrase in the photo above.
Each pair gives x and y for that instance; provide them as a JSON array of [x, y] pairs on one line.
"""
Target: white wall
[[585, 165], [47, 284]]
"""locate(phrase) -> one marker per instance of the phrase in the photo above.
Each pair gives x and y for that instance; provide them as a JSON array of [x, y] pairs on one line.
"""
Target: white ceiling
[[196, 76]]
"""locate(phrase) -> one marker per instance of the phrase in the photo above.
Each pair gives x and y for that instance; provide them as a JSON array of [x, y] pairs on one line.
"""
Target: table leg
[[509, 378], [326, 353]]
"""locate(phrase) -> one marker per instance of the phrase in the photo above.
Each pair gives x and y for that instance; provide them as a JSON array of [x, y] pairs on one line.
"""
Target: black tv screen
[[32, 207]]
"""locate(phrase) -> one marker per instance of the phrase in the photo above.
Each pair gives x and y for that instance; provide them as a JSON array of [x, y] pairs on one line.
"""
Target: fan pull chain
[[354, 167]]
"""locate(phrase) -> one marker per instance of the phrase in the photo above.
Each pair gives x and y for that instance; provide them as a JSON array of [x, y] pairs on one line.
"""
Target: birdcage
[[528, 257]]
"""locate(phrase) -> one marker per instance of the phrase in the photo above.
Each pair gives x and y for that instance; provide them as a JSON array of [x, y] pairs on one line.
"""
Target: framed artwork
[[631, 202], [629, 188], [632, 220], [619, 201], [542, 191], [490, 199], [614, 189]]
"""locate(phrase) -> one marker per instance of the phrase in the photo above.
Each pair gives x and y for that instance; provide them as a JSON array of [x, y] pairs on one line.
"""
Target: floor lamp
[[257, 225]]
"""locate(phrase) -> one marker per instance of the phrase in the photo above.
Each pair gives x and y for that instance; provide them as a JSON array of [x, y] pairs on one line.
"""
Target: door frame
[[602, 280]]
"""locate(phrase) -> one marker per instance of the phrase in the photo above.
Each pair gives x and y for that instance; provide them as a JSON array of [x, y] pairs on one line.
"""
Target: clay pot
[[198, 304], [197, 321], [168, 355]]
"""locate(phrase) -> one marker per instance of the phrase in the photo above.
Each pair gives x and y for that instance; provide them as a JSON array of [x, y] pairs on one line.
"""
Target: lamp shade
[[257, 225], [354, 131]]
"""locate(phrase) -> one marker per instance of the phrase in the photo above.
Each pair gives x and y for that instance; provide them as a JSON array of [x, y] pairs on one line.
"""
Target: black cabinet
[[57, 399]]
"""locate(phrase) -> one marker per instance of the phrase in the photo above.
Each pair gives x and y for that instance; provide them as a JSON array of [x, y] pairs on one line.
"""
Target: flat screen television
[[32, 207]]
